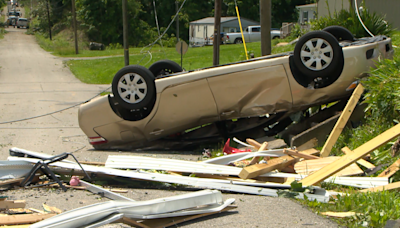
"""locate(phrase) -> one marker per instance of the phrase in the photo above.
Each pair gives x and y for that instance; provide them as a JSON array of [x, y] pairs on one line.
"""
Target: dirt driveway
[[33, 82]]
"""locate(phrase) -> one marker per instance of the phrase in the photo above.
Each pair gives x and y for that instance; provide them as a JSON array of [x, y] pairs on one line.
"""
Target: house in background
[[201, 30], [307, 12], [390, 8]]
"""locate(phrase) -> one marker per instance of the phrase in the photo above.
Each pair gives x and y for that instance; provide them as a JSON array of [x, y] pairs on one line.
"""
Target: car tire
[[163, 68], [238, 41], [134, 88], [340, 33], [318, 54], [17, 26]]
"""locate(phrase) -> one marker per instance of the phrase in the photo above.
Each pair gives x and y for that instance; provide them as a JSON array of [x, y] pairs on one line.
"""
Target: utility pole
[[177, 21], [125, 31], [217, 31], [265, 19], [48, 18], [75, 27]]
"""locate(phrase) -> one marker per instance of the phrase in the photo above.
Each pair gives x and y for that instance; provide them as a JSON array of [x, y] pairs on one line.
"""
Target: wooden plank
[[254, 143], [307, 167], [259, 169], [132, 222], [23, 219], [390, 186], [264, 180], [50, 209], [92, 163], [300, 154], [273, 164], [6, 204], [347, 160], [342, 121], [256, 159], [340, 214], [166, 222], [391, 169], [11, 181], [360, 161]]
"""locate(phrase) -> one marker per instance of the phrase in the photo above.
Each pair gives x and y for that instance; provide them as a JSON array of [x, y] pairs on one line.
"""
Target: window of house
[[305, 16]]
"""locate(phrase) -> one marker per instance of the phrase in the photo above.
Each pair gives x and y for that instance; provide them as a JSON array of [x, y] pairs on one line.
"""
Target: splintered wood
[[273, 164], [308, 167], [349, 159]]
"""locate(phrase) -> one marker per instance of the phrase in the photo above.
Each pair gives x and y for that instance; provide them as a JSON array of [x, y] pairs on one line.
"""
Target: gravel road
[[33, 82]]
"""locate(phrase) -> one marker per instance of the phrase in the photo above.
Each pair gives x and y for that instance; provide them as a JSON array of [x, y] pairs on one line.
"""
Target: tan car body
[[251, 88]]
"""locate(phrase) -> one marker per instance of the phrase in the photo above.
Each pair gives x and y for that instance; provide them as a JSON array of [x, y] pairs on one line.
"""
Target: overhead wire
[[361, 21], [150, 46]]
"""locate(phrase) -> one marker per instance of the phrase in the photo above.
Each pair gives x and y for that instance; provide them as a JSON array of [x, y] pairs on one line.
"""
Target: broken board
[[347, 160], [308, 167]]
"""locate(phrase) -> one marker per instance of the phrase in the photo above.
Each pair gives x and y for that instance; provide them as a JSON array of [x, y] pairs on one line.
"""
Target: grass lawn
[[102, 71]]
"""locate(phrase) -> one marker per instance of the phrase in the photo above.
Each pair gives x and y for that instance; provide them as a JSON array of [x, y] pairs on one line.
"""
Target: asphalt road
[[33, 82]]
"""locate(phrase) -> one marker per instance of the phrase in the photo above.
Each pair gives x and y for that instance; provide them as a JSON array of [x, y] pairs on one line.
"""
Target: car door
[[255, 34], [182, 106], [252, 89]]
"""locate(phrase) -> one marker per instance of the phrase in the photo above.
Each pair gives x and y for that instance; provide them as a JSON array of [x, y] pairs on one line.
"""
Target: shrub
[[375, 23]]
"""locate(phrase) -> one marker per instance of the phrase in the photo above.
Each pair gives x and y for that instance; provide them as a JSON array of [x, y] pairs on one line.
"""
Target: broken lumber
[[347, 160], [340, 214], [392, 169], [342, 121], [254, 143], [23, 219], [390, 186], [300, 154], [307, 167], [11, 181], [273, 164], [7, 204], [256, 159], [360, 161]]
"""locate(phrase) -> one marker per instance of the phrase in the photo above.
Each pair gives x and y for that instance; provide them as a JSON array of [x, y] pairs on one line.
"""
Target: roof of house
[[307, 5], [210, 20]]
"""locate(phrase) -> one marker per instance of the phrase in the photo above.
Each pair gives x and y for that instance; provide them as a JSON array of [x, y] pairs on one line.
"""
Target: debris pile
[[256, 169]]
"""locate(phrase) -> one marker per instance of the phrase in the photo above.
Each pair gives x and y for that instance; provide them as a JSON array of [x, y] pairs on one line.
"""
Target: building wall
[[334, 5], [199, 34], [235, 24], [389, 8], [311, 14]]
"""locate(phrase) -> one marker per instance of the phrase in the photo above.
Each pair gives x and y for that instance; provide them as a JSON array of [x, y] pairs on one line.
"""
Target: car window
[[255, 29]]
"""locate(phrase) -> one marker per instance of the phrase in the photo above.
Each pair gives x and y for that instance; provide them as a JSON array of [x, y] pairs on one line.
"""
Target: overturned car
[[162, 104]]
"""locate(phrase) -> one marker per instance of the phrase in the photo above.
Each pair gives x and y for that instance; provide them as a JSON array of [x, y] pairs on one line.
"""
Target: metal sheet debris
[[165, 207]]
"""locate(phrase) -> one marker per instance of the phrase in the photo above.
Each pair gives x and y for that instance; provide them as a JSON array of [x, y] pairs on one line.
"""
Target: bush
[[383, 96], [375, 23], [297, 31], [114, 46]]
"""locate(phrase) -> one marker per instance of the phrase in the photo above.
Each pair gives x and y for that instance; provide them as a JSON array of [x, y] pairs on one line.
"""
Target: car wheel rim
[[132, 88], [316, 54]]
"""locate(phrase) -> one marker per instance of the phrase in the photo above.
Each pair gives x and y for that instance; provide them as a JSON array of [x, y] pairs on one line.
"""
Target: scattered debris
[[7, 204], [259, 169], [196, 203], [340, 214]]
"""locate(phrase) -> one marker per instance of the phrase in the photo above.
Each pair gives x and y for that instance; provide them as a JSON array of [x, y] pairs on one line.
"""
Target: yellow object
[[241, 31]]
